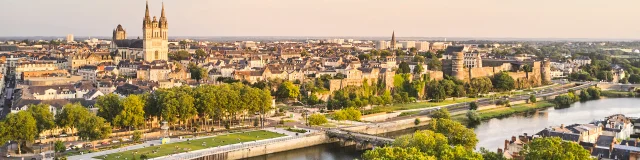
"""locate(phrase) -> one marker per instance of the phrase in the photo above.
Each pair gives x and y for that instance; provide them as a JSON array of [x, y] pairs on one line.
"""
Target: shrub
[[532, 99], [473, 106], [297, 130], [417, 121], [473, 116], [317, 119], [441, 113], [137, 135]]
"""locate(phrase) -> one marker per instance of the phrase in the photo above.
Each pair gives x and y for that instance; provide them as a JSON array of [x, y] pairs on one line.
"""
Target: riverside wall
[[290, 143]]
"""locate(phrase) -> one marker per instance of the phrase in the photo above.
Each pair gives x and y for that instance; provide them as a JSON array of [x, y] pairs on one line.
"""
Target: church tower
[[393, 40], [156, 40], [119, 33]]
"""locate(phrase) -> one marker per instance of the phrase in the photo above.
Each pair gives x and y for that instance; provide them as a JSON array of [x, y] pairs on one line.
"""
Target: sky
[[604, 19]]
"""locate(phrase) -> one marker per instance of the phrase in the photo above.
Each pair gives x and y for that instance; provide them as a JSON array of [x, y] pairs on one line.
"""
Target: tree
[[473, 106], [59, 147], [109, 106], [436, 91], [94, 128], [386, 97], [71, 115], [201, 53], [288, 90], [317, 119], [197, 73], [488, 155], [419, 59], [137, 135], [532, 98], [132, 115], [21, 127], [563, 100], [396, 153], [418, 69], [473, 116], [430, 143], [180, 55], [304, 54], [456, 133], [634, 78], [503, 82], [435, 64], [553, 148], [364, 57], [352, 114], [441, 113], [416, 121], [339, 115], [403, 68], [594, 92], [44, 117]]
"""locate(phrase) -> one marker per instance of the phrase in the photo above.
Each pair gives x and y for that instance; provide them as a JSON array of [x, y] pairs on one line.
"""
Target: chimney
[[562, 126], [499, 151], [611, 147], [513, 138], [506, 143]]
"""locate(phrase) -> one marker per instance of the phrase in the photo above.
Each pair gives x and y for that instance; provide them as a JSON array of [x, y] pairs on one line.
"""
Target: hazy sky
[[409, 18]]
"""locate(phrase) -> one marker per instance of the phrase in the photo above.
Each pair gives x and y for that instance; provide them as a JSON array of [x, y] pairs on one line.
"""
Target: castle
[[455, 67], [153, 46]]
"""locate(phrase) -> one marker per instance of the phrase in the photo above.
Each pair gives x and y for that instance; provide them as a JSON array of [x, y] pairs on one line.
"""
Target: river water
[[492, 133]]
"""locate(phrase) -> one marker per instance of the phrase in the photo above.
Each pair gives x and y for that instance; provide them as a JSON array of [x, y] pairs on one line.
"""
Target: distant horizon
[[400, 38], [491, 19]]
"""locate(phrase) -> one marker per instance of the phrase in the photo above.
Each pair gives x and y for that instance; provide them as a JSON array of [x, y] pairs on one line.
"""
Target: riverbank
[[616, 94], [505, 111]]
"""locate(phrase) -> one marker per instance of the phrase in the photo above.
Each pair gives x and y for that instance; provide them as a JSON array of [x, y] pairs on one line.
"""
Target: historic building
[[154, 44]]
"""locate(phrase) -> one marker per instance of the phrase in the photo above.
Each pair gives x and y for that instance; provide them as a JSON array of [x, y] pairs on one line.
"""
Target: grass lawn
[[166, 149], [397, 107]]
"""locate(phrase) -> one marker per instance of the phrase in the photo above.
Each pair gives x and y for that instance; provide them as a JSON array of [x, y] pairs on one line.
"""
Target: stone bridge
[[362, 141]]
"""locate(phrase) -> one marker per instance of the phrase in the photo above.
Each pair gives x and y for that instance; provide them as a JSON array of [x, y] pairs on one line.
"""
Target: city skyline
[[330, 18]]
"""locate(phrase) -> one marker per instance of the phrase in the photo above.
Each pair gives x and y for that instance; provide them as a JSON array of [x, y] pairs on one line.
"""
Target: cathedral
[[154, 44]]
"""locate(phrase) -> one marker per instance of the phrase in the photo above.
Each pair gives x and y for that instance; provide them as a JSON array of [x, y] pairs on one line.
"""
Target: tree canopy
[[554, 148]]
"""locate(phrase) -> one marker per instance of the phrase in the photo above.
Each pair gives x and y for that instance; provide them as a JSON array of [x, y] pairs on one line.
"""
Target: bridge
[[362, 141]]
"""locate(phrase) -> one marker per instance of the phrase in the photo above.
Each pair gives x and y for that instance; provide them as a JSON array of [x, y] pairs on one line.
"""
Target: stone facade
[[156, 38]]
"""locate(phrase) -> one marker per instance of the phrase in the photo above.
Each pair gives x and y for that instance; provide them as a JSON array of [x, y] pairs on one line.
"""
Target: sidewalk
[[89, 156]]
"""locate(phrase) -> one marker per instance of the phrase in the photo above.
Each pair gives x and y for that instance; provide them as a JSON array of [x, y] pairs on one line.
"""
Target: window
[[156, 55]]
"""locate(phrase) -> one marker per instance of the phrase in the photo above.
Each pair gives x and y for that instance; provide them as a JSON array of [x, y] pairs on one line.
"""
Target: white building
[[382, 45], [422, 46], [408, 44], [70, 38]]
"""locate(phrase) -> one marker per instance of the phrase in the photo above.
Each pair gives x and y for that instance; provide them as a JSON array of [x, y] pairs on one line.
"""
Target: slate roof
[[129, 43], [604, 141], [452, 49], [41, 89]]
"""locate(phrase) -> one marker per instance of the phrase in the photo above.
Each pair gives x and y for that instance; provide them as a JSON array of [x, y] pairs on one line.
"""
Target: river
[[492, 133]]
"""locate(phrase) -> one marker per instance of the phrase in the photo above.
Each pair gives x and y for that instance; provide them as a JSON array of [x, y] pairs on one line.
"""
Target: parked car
[[105, 143]]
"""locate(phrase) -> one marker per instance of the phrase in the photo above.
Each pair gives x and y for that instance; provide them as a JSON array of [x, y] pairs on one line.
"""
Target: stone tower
[[119, 33], [546, 72], [457, 65], [155, 44], [393, 40]]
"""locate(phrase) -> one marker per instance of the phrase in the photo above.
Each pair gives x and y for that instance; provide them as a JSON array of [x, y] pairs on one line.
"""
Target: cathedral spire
[[393, 40], [146, 13], [162, 13]]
